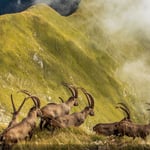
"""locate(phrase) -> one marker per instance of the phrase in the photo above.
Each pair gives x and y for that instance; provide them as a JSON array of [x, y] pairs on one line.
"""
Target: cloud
[[137, 74], [128, 15], [126, 24], [122, 14]]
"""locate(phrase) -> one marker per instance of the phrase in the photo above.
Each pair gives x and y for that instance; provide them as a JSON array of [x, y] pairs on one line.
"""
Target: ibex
[[109, 129], [53, 110], [15, 112], [77, 118], [134, 130], [23, 129], [15, 115]]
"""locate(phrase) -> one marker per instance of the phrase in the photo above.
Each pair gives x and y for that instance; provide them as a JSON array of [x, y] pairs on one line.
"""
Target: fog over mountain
[[64, 7]]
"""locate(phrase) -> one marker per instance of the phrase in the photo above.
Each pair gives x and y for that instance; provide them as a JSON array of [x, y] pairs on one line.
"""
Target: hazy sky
[[132, 16], [127, 13]]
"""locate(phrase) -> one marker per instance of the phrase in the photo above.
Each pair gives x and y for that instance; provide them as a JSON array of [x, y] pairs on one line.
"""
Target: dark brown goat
[[133, 130], [109, 129]]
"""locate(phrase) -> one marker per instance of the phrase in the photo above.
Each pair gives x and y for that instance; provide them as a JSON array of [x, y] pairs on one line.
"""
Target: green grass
[[39, 49], [40, 52], [77, 138]]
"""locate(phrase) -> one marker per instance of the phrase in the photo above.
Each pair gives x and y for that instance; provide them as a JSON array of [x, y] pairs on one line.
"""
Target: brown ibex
[[15, 115], [77, 118], [23, 129], [134, 130], [53, 110], [109, 129]]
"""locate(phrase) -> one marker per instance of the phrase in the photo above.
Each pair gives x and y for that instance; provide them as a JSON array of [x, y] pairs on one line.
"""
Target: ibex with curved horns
[[109, 129], [77, 118], [23, 129], [134, 130], [53, 110], [15, 115]]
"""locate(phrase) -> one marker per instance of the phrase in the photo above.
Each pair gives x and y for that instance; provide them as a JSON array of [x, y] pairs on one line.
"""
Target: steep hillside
[[125, 39], [39, 49]]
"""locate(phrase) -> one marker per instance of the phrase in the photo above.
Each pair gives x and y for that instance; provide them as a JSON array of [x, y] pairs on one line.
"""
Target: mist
[[132, 19], [137, 74], [127, 23], [125, 14]]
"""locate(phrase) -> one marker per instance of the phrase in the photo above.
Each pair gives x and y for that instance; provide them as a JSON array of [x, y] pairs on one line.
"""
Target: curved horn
[[61, 99], [69, 87], [13, 105], [125, 110], [21, 104], [25, 92], [125, 106], [91, 99], [85, 93], [36, 100], [75, 92]]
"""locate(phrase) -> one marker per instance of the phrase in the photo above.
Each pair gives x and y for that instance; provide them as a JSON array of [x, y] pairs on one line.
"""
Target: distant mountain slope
[[39, 49]]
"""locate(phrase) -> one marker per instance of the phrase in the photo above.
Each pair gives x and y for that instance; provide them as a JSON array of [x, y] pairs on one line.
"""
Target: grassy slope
[[41, 45], [40, 49], [126, 46], [121, 45]]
